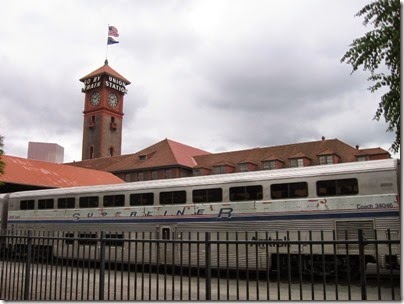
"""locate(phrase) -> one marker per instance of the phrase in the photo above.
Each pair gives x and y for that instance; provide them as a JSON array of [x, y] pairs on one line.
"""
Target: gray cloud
[[217, 75]]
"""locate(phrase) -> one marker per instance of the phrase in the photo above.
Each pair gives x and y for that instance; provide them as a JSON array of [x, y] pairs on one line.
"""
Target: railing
[[199, 266]]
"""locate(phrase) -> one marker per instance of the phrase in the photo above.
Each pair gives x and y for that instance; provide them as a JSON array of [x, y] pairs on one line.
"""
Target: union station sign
[[109, 82]]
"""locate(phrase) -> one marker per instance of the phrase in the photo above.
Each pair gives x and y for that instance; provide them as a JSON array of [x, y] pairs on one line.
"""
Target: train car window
[[27, 205], [114, 239], [141, 199], [207, 195], [173, 197], [66, 203], [69, 238], [246, 193], [337, 187], [45, 203], [88, 202], [165, 233], [289, 190], [87, 239], [114, 200]]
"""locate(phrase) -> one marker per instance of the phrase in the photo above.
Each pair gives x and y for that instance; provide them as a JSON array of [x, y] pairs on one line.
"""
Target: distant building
[[49, 152]]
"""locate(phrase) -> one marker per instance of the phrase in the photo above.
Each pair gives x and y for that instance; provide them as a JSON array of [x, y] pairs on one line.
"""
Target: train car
[[321, 202]]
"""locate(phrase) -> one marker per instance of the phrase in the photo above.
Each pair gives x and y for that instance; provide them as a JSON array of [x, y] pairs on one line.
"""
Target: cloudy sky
[[217, 75]]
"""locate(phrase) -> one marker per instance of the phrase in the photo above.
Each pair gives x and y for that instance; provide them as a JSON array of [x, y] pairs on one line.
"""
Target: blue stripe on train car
[[233, 218]]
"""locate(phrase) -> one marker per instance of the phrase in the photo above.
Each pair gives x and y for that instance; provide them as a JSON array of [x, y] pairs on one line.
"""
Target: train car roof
[[206, 180]]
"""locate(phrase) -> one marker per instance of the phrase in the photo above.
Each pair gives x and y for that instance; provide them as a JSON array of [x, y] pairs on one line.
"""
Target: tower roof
[[105, 69]]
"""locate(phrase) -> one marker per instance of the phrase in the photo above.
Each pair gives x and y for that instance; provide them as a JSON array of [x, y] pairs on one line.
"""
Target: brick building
[[102, 132], [170, 159]]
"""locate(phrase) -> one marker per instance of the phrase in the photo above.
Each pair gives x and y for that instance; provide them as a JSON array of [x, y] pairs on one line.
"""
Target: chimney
[[357, 147], [322, 138]]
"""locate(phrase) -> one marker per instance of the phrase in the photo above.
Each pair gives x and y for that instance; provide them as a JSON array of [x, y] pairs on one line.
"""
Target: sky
[[217, 75]]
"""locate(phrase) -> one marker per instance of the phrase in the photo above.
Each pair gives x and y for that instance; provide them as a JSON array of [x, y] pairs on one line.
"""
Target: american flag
[[113, 31]]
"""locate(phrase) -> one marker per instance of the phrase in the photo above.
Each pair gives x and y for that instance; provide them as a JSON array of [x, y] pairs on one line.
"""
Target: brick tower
[[104, 91]]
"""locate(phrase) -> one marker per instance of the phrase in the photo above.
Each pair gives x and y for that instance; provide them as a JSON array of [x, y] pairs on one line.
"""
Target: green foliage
[[378, 49]]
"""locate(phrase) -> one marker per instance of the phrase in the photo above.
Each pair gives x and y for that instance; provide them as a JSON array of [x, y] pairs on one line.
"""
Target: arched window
[[91, 152]]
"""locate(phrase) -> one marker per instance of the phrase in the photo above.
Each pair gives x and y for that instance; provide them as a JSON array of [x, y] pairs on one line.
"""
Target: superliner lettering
[[223, 213]]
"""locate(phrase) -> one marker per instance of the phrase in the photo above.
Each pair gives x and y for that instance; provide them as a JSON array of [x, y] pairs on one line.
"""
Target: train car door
[[167, 248]]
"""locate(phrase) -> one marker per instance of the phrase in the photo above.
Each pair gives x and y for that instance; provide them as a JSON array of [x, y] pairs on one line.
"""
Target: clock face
[[112, 100], [95, 98]]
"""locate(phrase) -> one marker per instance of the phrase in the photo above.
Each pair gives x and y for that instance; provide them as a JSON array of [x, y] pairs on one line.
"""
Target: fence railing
[[38, 265]]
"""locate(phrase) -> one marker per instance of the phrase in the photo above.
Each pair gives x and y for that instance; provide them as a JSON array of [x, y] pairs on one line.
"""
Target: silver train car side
[[320, 201]]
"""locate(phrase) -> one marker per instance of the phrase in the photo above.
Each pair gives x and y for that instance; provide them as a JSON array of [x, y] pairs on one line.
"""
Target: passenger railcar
[[270, 204]]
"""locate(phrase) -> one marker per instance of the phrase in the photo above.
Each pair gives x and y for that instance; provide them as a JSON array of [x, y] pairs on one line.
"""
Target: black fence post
[[102, 267], [28, 266], [208, 280], [362, 265]]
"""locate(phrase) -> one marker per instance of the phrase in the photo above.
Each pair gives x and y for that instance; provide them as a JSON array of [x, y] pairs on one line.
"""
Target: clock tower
[[104, 91]]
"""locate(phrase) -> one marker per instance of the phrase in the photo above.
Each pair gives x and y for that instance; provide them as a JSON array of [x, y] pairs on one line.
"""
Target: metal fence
[[197, 266]]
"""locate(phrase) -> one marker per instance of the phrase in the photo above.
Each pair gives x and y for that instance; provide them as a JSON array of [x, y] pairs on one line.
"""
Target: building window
[[326, 159], [269, 165], [92, 122], [168, 173], [111, 151], [219, 170], [154, 175], [297, 162], [113, 124], [244, 167], [140, 176], [362, 158], [142, 157], [197, 172], [91, 152]]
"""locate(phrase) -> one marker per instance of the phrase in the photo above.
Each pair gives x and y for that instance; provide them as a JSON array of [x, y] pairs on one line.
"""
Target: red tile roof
[[165, 153], [168, 153], [327, 152], [371, 151], [106, 69], [311, 150], [45, 174]]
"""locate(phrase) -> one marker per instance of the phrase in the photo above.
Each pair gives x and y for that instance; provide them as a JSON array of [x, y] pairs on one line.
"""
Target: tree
[[1, 153], [378, 49]]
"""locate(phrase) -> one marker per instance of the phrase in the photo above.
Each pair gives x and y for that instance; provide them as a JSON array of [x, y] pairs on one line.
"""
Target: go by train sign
[[108, 81]]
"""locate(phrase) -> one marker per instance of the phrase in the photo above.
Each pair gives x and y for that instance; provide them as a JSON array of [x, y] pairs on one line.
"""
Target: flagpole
[[106, 53]]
